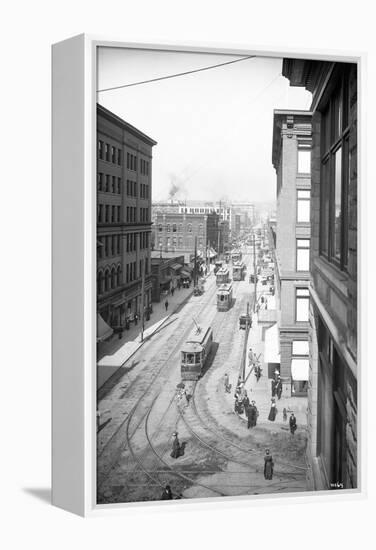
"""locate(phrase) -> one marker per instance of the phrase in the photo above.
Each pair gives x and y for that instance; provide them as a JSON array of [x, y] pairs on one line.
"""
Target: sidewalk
[[260, 391], [114, 353]]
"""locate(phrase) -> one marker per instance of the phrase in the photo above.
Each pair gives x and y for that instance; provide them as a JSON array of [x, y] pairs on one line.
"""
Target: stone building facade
[[124, 190], [333, 393], [176, 232], [292, 161]]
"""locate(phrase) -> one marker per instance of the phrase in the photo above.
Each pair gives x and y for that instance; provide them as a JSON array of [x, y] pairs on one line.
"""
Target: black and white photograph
[[226, 275]]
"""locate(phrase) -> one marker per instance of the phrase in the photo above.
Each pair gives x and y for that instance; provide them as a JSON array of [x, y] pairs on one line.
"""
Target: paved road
[[221, 456]]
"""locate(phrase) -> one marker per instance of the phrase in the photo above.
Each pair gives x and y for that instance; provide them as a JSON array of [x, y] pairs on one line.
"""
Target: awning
[[104, 331], [175, 267], [271, 354], [118, 302], [165, 280], [185, 274], [300, 370]]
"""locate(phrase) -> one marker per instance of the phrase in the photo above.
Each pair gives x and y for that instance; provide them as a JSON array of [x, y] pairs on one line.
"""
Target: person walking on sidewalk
[[227, 383], [273, 411], [252, 415], [278, 387], [268, 465], [172, 291], [292, 423], [166, 304]]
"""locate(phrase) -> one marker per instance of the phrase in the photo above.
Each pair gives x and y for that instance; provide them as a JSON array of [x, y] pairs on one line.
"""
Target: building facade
[[124, 188], [291, 158], [165, 274], [176, 232], [332, 394]]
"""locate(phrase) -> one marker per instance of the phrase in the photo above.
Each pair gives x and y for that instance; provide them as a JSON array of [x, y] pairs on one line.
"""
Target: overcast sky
[[213, 128]]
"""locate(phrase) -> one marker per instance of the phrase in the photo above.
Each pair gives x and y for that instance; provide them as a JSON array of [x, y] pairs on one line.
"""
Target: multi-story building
[[224, 210], [224, 236], [332, 394], [124, 183], [176, 232], [292, 161]]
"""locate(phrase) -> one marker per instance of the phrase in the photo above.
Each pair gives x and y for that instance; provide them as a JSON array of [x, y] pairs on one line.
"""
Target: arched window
[[107, 280], [189, 228], [99, 283], [200, 228], [118, 278], [113, 278]]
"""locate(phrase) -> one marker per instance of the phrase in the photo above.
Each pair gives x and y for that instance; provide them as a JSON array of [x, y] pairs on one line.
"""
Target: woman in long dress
[[268, 465], [273, 411], [175, 453]]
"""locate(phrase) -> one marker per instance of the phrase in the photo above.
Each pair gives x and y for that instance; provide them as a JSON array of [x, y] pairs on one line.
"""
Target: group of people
[[244, 405], [277, 385]]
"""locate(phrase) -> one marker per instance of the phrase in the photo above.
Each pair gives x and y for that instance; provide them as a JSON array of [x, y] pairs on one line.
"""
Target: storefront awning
[[300, 370], [185, 274], [271, 354], [165, 280], [104, 331]]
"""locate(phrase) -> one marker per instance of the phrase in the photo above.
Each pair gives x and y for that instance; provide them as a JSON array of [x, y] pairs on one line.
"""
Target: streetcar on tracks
[[236, 256], [224, 297], [195, 352], [238, 271], [223, 275]]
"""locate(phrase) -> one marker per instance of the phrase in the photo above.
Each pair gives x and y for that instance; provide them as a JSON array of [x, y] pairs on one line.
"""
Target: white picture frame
[[74, 281]]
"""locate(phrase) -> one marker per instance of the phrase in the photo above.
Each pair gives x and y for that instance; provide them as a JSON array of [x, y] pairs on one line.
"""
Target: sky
[[213, 128]]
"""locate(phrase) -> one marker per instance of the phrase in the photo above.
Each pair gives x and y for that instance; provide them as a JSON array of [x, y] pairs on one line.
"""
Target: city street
[[220, 456]]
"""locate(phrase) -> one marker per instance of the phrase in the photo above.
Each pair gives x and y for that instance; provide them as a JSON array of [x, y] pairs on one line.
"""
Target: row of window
[[131, 241], [131, 214], [108, 184], [109, 153], [109, 246], [179, 227], [144, 214], [335, 175], [178, 242], [206, 210], [131, 162], [144, 167], [107, 213], [301, 304], [131, 188], [108, 279], [144, 191]]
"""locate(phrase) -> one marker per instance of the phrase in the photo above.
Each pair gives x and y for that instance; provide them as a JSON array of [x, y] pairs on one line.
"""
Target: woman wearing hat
[[273, 411], [268, 465], [175, 453]]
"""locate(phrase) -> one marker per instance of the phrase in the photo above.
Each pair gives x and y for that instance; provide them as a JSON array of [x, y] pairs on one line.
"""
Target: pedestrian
[[273, 411], [166, 304], [187, 397], [239, 382], [226, 382], [292, 423], [284, 414], [278, 387], [135, 318], [268, 465], [246, 402], [175, 453], [167, 493], [172, 291], [252, 415]]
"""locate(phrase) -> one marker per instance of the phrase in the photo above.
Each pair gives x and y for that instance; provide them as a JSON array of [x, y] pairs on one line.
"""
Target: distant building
[[224, 236], [165, 273], [292, 161], [124, 189], [176, 232], [333, 391]]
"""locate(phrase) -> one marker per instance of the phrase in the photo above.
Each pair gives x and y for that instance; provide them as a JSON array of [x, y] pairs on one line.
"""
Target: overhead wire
[[175, 75]]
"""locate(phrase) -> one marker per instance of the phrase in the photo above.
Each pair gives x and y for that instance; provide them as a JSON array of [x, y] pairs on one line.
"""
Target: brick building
[[124, 181], [176, 232], [292, 161], [332, 394], [165, 274]]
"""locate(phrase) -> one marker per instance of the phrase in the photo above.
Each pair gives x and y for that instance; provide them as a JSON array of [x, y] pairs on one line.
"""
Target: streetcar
[[195, 352], [238, 271], [236, 256], [224, 297], [223, 275]]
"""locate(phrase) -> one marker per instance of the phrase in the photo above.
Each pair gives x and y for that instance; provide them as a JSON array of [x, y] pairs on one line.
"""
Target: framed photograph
[[206, 257]]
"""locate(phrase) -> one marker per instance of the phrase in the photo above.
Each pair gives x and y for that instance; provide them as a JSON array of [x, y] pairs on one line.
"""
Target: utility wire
[[176, 75]]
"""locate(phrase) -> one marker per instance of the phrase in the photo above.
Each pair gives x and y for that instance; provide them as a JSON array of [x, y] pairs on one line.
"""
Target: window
[[107, 151], [160, 227], [174, 227], [113, 184], [334, 182], [303, 205], [113, 154], [190, 228], [304, 160], [119, 157], [168, 228], [302, 304], [302, 254], [100, 149]]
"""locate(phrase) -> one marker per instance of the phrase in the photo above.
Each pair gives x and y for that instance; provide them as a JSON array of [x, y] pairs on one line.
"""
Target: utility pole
[[195, 265], [254, 271], [143, 264]]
